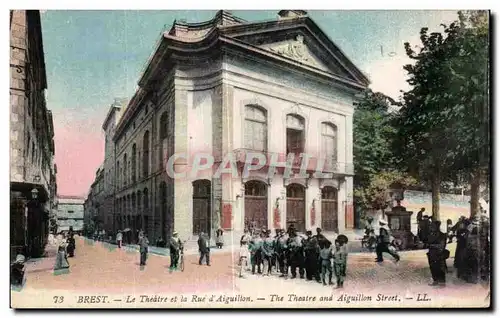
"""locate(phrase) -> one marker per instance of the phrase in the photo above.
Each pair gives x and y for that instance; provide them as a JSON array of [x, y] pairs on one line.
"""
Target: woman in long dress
[[220, 239], [62, 258]]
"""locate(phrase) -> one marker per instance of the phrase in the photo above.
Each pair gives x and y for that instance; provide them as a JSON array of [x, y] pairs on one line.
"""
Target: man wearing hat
[[437, 254], [267, 252], [281, 251], [175, 246], [204, 249], [384, 240], [311, 250]]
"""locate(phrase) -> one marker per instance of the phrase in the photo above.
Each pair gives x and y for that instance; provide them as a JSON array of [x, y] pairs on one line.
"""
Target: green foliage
[[374, 161], [375, 196], [443, 126], [372, 134]]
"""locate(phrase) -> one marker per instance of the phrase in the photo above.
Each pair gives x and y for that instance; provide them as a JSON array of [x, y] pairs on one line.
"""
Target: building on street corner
[[228, 87], [32, 169]]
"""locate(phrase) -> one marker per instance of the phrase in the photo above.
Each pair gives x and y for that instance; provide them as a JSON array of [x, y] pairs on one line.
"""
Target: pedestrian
[[61, 258], [204, 249], [295, 253], [268, 253], [325, 257], [175, 246], [255, 248], [384, 240], [449, 232], [219, 238], [473, 253], [244, 249], [71, 245], [17, 271], [311, 250], [119, 239], [340, 262], [281, 251], [436, 254], [143, 247], [461, 233], [424, 229]]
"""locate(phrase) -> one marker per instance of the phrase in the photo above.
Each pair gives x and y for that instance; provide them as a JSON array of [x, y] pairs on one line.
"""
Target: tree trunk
[[436, 186], [475, 181]]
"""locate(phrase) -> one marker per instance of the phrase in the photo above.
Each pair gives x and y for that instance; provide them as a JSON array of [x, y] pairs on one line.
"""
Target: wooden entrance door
[[201, 206], [329, 209], [295, 206], [255, 205]]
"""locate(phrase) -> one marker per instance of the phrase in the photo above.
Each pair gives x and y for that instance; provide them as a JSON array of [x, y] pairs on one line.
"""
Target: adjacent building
[[70, 213], [32, 169], [228, 88]]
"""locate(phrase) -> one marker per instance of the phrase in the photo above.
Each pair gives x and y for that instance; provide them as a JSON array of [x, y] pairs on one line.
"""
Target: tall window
[[255, 128], [134, 162], [294, 134], [125, 168], [163, 139], [329, 141], [145, 154]]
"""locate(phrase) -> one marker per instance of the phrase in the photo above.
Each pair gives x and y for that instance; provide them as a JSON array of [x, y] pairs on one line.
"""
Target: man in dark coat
[[384, 240], [143, 248], [424, 225], [436, 254], [281, 251], [204, 249], [175, 246], [311, 250], [295, 253], [461, 233]]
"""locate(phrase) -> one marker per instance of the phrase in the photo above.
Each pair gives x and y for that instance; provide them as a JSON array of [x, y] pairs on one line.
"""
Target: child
[[340, 262], [325, 256]]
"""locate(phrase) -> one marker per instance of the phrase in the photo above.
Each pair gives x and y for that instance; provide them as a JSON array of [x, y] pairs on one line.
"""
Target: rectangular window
[[71, 211]]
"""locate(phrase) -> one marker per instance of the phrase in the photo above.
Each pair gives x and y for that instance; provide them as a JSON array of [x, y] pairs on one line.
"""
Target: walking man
[[175, 246], [204, 249], [268, 252], [143, 248], [384, 241], [281, 251]]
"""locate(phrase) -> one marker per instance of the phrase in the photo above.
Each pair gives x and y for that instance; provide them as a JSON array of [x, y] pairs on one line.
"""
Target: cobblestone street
[[98, 269]]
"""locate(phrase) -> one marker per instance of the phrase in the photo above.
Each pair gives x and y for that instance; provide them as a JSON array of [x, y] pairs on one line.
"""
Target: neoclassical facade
[[228, 88]]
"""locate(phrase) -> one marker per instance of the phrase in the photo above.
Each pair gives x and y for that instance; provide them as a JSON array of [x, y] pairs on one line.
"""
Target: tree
[[470, 99], [372, 134], [426, 139], [374, 162]]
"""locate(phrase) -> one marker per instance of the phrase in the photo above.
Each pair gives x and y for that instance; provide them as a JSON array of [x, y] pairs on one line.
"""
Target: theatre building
[[228, 86]]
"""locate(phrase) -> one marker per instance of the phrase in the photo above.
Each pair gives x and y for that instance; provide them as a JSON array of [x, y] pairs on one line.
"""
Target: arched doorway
[[295, 206], [201, 206], [329, 209], [255, 205]]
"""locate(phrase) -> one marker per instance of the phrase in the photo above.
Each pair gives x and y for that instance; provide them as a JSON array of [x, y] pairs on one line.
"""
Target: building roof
[[294, 41]]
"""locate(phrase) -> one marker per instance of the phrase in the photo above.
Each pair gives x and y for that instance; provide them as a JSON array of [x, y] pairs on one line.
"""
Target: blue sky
[[94, 56]]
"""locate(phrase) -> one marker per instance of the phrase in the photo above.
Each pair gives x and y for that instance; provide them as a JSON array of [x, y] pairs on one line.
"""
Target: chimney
[[286, 14]]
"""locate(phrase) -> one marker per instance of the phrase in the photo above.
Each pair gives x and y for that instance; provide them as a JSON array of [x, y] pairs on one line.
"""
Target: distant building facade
[[32, 169], [70, 213], [230, 87]]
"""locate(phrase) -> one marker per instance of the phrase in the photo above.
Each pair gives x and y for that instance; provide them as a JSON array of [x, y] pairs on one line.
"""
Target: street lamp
[[34, 194]]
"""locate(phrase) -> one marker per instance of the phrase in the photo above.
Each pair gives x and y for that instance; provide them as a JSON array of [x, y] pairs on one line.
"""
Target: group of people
[[289, 252], [473, 252]]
